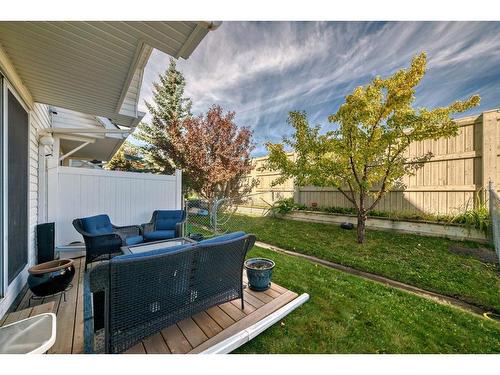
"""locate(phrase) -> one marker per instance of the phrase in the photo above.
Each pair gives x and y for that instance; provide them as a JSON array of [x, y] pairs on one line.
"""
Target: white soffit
[[98, 149], [103, 146], [89, 66]]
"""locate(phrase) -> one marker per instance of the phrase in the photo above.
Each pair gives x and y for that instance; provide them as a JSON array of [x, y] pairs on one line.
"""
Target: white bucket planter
[[425, 228]]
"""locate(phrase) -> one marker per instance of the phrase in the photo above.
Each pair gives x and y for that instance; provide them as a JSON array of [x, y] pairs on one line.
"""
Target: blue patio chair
[[164, 224], [103, 239]]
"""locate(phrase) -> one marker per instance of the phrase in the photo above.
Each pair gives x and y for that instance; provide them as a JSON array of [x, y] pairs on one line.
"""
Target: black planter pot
[[260, 273], [51, 277]]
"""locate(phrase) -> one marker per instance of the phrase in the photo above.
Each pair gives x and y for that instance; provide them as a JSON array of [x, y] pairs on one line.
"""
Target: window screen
[[17, 190]]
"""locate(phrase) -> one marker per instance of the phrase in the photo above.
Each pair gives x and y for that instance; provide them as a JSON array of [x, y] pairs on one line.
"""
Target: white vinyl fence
[[127, 197]]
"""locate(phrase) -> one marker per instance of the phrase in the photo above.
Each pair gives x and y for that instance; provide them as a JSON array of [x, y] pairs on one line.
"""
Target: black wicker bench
[[138, 295]]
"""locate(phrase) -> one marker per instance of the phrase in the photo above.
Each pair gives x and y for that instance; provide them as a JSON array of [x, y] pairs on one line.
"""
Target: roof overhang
[[97, 148], [88, 66]]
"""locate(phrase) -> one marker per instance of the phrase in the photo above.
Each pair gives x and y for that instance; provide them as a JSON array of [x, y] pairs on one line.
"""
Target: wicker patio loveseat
[[137, 295]]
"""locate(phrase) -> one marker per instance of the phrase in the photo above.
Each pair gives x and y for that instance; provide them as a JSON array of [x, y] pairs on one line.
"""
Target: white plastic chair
[[33, 335]]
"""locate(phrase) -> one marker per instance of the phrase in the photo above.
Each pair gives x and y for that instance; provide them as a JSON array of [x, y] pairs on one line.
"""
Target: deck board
[[233, 311], [248, 309], [176, 341], [78, 345], [136, 349], [222, 319], [209, 326], [192, 335], [66, 317], [247, 321], [251, 299], [263, 297], [156, 344]]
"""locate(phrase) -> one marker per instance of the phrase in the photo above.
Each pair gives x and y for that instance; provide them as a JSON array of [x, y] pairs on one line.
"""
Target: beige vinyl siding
[[129, 106], [39, 119], [130, 102], [66, 118]]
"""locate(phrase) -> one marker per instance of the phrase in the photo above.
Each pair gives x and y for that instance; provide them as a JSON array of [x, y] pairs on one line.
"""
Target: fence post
[[494, 218], [178, 189], [296, 192], [489, 150]]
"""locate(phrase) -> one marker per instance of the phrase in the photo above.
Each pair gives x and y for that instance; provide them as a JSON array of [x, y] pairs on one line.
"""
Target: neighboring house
[[68, 94]]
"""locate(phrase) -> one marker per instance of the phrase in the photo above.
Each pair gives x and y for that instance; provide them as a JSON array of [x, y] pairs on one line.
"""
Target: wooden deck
[[193, 335]]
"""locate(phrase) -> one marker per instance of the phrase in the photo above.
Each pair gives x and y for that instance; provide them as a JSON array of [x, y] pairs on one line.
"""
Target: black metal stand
[[63, 293]]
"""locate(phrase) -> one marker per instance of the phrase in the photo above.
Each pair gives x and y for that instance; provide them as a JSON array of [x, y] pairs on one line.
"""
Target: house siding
[[66, 118], [130, 103], [40, 119], [129, 106]]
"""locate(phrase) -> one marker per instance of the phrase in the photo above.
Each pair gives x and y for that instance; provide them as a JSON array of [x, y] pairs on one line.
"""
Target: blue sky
[[263, 70]]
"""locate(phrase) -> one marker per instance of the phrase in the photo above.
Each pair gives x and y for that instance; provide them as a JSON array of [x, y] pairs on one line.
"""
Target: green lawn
[[347, 314], [425, 262]]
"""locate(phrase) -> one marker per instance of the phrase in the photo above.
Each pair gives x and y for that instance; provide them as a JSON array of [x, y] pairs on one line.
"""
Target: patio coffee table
[[148, 246], [33, 335]]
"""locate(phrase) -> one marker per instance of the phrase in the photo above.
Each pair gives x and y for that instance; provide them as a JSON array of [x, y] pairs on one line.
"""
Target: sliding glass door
[[17, 186]]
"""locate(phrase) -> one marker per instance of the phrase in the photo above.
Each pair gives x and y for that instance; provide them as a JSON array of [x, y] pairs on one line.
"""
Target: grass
[[347, 314], [421, 261]]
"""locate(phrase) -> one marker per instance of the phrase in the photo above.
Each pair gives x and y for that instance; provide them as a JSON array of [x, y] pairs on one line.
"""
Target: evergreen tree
[[127, 159], [168, 109]]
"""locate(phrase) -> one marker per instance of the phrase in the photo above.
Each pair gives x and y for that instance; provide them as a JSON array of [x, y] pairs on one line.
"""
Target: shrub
[[284, 206], [478, 218]]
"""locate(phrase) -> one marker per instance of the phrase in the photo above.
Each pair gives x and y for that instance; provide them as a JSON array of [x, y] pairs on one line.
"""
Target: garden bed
[[425, 228]]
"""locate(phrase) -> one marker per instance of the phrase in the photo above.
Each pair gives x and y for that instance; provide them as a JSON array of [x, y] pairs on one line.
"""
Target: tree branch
[[347, 197], [384, 180]]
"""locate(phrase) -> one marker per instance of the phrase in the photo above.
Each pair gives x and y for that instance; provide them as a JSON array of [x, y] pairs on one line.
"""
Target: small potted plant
[[259, 272]]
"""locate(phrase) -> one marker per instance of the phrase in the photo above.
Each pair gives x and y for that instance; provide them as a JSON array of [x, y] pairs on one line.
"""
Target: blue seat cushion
[[99, 224], [167, 250], [167, 220], [223, 238], [159, 235], [133, 240]]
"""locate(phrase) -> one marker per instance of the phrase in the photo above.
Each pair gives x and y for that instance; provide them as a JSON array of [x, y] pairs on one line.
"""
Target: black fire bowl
[[51, 277]]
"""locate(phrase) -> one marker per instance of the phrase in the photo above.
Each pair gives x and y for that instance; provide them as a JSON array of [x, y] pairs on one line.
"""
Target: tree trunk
[[361, 217], [361, 227]]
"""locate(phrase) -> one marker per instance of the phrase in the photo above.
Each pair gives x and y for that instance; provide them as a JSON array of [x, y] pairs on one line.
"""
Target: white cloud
[[263, 70]]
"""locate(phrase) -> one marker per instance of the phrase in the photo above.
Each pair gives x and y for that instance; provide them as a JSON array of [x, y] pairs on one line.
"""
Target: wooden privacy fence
[[458, 172]]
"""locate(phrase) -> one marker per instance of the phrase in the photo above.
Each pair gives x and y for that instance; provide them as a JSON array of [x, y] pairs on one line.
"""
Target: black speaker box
[[45, 239]]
